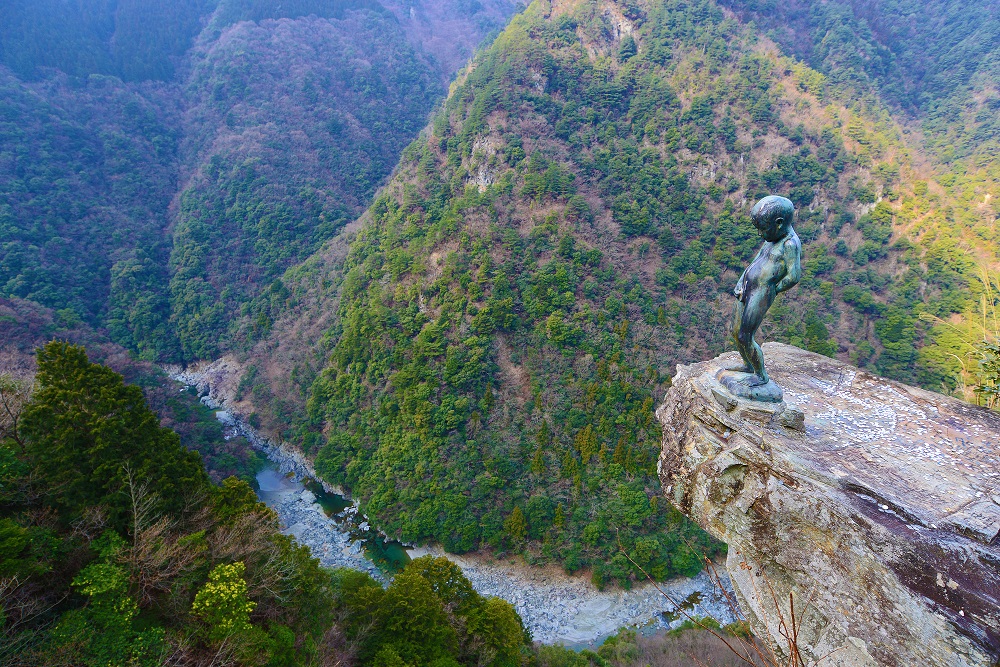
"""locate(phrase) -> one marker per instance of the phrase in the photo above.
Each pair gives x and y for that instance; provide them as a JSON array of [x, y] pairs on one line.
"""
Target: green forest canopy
[[511, 312], [101, 569], [287, 129], [115, 549]]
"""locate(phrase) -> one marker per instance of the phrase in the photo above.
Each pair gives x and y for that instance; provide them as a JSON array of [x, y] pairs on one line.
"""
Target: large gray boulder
[[874, 505]]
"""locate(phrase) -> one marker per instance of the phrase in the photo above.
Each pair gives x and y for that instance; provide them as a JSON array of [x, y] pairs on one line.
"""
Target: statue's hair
[[772, 207]]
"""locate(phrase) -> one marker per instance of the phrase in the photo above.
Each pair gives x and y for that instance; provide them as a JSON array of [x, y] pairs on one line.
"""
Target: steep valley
[[560, 236], [555, 607], [449, 255], [565, 231]]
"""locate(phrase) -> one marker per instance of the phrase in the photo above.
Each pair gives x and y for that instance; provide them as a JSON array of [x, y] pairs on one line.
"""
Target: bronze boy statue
[[776, 268]]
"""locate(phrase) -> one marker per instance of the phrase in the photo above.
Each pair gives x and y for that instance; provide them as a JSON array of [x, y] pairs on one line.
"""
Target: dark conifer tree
[[89, 437]]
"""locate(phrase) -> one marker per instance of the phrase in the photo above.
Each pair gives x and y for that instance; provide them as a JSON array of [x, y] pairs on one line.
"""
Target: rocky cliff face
[[873, 506]]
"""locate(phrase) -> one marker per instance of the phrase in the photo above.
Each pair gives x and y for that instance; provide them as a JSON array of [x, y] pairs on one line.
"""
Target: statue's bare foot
[[740, 368], [749, 386], [753, 380]]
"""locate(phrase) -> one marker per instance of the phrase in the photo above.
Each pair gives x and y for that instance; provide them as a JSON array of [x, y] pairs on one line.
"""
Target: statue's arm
[[793, 260]]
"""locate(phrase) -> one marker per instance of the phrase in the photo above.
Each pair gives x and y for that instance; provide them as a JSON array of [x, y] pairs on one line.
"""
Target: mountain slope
[[162, 165], [135, 40], [937, 61], [568, 228], [292, 125], [88, 171]]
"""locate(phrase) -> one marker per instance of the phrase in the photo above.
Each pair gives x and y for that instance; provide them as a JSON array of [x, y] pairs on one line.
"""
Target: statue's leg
[[752, 316], [738, 309]]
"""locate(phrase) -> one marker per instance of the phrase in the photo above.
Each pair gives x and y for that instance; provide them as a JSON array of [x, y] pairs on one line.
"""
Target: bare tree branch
[[17, 384]]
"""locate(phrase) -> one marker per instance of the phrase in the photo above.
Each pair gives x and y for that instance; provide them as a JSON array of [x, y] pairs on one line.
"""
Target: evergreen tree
[[92, 440], [516, 526]]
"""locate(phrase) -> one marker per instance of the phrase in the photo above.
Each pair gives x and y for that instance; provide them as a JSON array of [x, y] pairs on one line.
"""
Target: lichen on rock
[[872, 506]]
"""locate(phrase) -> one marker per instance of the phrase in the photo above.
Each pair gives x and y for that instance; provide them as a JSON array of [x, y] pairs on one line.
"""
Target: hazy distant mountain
[[164, 162]]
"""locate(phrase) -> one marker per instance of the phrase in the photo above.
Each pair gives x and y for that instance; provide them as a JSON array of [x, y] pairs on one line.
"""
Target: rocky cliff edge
[[874, 505]]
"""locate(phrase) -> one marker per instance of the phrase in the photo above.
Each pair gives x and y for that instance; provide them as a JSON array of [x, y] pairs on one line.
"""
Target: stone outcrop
[[874, 505]]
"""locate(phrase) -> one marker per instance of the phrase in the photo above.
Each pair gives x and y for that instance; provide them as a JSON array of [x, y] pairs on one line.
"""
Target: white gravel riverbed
[[303, 518], [559, 608]]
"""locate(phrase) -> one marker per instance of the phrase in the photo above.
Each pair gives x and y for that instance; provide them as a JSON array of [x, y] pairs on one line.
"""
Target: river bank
[[304, 519], [559, 608], [556, 607]]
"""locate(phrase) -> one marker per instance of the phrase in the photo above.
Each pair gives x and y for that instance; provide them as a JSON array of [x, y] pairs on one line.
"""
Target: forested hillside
[[937, 67], [936, 61], [477, 354], [161, 165], [86, 177], [292, 126], [116, 550], [568, 228], [134, 40], [139, 40]]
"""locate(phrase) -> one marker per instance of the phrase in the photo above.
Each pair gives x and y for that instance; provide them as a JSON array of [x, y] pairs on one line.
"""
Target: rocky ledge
[[874, 507]]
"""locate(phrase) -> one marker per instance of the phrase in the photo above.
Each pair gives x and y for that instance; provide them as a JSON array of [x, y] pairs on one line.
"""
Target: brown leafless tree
[[156, 556], [21, 608], [750, 651], [17, 383]]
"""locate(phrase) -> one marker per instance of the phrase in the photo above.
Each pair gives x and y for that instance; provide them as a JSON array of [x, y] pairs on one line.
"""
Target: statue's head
[[772, 216]]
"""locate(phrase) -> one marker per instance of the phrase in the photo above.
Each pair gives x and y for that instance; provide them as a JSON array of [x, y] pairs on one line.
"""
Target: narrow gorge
[[556, 608]]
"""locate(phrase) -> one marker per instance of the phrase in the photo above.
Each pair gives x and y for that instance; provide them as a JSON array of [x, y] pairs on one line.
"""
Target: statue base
[[740, 384]]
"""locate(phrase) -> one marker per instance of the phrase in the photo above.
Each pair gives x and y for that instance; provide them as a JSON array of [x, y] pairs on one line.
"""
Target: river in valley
[[555, 607], [329, 524]]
